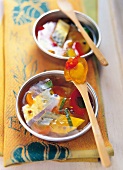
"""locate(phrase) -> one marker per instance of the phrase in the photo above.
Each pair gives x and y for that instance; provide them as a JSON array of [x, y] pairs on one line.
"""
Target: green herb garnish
[[62, 103], [68, 117], [47, 84]]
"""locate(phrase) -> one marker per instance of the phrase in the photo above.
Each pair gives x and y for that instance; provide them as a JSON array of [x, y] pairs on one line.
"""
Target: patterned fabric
[[27, 10], [22, 60], [42, 151]]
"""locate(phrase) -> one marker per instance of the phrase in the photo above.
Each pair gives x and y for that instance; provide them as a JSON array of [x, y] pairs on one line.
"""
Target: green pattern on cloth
[[37, 151]]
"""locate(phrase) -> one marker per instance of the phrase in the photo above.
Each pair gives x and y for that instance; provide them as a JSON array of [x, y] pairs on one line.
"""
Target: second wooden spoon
[[67, 8]]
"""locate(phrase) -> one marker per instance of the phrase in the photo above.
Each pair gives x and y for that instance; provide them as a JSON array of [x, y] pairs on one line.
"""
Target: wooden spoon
[[95, 127], [67, 8]]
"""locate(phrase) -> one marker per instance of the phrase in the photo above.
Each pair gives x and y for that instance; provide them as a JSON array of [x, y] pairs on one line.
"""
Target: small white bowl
[[54, 75], [54, 15]]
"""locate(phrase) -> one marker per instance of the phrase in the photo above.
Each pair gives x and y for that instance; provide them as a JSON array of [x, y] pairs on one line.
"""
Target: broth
[[54, 109], [63, 38]]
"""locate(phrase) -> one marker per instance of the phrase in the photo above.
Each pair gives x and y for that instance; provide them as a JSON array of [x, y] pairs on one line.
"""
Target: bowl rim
[[48, 138], [59, 56]]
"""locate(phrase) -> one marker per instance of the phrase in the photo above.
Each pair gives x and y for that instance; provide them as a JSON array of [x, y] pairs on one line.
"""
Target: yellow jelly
[[71, 52], [77, 73], [61, 125]]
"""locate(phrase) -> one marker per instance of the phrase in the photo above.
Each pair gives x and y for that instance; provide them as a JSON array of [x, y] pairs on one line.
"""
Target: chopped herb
[[47, 84], [68, 117], [88, 31], [62, 103]]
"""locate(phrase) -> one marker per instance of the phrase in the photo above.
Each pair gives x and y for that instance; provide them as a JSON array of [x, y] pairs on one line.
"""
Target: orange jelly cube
[[77, 73]]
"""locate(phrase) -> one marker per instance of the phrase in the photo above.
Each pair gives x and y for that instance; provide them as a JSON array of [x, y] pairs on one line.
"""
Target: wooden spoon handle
[[95, 127], [96, 51]]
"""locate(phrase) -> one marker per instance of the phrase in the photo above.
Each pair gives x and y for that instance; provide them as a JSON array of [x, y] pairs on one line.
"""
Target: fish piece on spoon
[[67, 8]]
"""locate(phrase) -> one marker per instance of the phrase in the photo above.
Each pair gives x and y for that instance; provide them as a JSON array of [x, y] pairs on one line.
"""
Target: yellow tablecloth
[[1, 88], [21, 59]]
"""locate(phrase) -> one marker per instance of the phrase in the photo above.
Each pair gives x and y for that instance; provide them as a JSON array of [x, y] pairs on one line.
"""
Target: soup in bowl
[[56, 35], [52, 109]]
